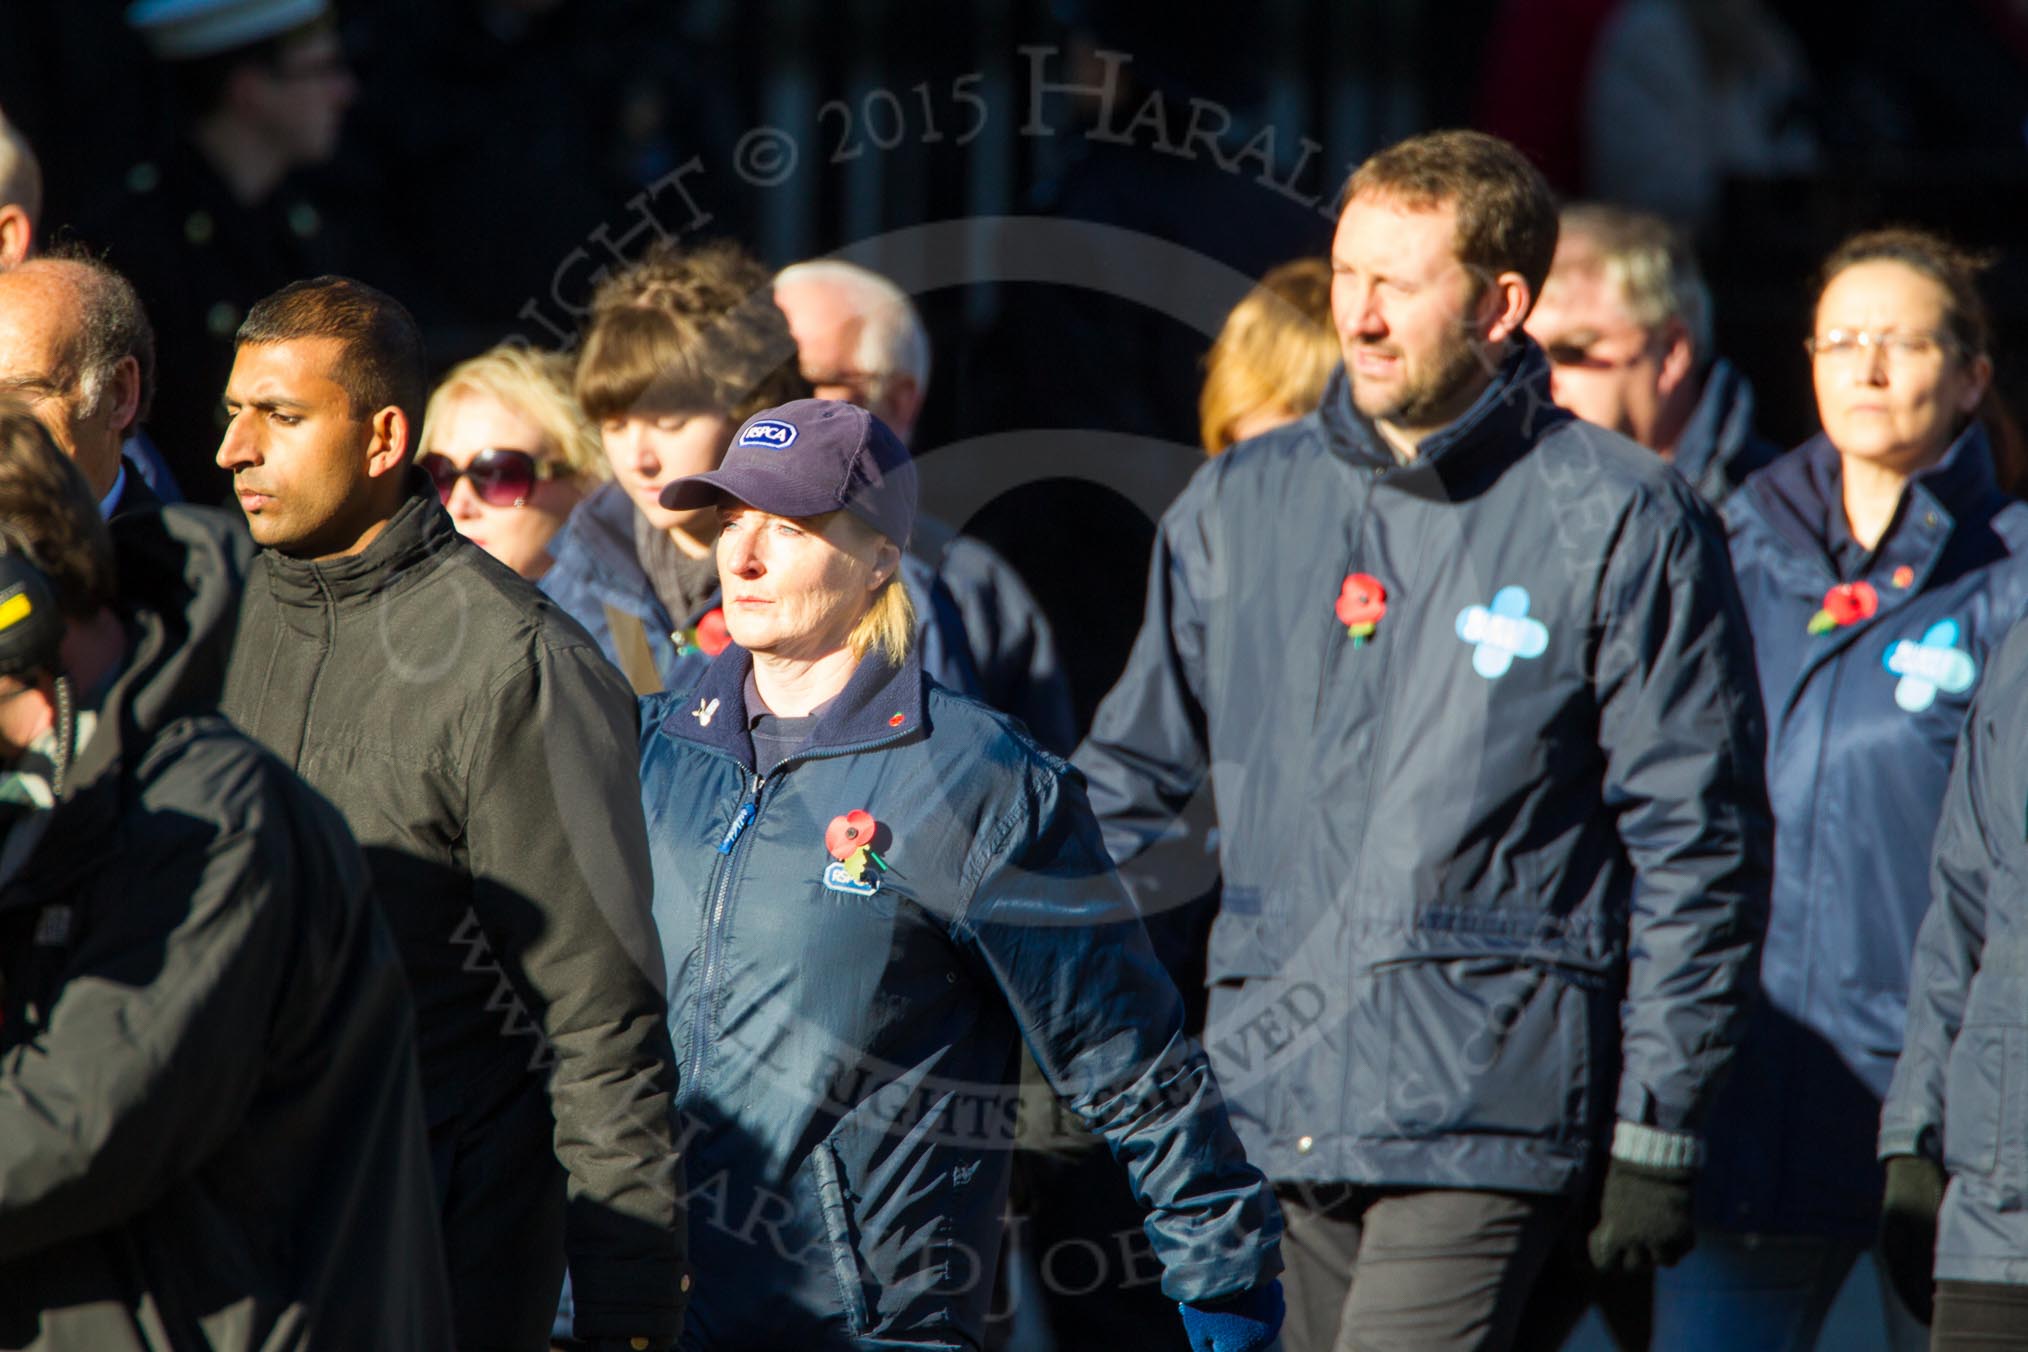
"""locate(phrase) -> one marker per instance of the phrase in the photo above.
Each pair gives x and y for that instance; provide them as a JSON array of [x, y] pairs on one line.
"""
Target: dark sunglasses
[[500, 478]]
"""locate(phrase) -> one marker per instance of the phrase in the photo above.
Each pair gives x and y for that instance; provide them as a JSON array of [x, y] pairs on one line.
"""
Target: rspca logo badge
[[838, 880], [1936, 664], [770, 434], [1501, 632]]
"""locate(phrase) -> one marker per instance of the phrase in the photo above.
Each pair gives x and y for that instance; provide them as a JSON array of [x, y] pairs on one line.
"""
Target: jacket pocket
[[1247, 941], [1487, 1045], [842, 1236], [1986, 1109]]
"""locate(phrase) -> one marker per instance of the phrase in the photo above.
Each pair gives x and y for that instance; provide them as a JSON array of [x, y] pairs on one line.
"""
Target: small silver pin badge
[[704, 713]]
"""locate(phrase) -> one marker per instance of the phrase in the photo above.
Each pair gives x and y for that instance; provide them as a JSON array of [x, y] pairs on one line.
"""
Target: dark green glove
[[1643, 1218], [1915, 1189]]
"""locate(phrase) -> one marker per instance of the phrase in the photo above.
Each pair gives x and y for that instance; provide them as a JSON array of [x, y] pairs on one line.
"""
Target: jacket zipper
[[721, 897], [1383, 700], [714, 929], [330, 608]]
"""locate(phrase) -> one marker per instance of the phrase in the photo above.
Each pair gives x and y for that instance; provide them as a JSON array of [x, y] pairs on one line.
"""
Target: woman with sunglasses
[[1880, 565], [510, 453]]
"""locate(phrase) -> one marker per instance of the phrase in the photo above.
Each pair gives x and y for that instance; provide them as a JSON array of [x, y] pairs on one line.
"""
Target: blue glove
[[1247, 1322]]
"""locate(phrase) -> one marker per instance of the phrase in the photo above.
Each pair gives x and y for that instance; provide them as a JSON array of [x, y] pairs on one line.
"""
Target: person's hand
[[1247, 1322], [1643, 1219], [1908, 1206]]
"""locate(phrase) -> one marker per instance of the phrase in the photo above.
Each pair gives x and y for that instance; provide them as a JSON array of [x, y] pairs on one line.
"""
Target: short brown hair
[[50, 513], [1506, 211], [686, 331], [1276, 350], [1956, 270], [383, 364]]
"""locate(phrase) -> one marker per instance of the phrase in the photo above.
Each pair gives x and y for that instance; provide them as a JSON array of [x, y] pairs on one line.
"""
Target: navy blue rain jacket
[[849, 1051], [596, 569], [1506, 854], [1719, 448], [1960, 1090], [1862, 721], [1013, 647]]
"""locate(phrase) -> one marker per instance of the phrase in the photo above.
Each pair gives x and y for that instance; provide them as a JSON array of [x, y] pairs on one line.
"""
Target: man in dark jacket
[[1477, 687], [1626, 320], [219, 218], [482, 750], [211, 1131]]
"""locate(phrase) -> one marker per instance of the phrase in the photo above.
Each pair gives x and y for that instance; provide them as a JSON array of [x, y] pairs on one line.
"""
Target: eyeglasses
[[501, 478], [1845, 344]]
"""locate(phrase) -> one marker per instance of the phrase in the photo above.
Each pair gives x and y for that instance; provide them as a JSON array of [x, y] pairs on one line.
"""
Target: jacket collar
[[595, 550], [599, 537], [1956, 494], [417, 537], [1720, 426], [880, 704], [1510, 415]]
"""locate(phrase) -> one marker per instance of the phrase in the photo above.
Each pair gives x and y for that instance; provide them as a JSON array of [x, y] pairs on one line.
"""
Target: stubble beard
[[1432, 394]]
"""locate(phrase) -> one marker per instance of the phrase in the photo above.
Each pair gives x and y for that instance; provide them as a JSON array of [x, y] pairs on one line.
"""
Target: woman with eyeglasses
[[510, 452], [1880, 564]]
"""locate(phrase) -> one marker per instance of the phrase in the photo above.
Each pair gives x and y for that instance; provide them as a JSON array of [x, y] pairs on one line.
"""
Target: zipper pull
[[743, 817], [738, 825]]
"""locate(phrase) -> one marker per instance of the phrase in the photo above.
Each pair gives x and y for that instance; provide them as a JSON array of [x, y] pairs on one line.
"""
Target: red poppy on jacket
[[850, 833], [1362, 602], [1846, 603]]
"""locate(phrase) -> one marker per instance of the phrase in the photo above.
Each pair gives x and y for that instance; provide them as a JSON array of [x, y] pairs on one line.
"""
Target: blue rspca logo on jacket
[[1934, 663], [1501, 632]]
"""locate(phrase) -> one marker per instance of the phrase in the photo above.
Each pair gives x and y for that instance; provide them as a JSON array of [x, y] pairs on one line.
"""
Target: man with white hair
[[859, 339], [20, 195], [1625, 319], [20, 216]]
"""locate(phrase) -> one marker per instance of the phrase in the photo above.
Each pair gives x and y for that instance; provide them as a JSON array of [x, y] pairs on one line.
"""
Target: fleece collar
[[879, 705]]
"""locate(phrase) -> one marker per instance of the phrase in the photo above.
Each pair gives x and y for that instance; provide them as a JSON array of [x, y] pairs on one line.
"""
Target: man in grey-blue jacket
[[1959, 1097], [1470, 686]]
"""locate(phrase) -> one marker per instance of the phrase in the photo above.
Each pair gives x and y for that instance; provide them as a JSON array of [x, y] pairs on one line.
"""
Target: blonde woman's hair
[[888, 626], [537, 385], [1277, 350]]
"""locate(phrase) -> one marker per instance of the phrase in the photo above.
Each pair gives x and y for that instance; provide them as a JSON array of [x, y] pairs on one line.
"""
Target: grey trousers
[[1398, 1270]]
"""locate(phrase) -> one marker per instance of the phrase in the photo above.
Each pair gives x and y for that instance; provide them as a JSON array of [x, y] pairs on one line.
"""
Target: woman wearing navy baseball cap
[[869, 890]]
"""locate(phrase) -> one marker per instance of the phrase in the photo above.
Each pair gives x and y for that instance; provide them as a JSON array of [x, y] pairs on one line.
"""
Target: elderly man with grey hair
[[860, 339], [77, 347], [20, 195], [1625, 318]]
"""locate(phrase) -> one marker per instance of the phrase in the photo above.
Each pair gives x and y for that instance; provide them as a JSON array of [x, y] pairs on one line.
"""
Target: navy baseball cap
[[809, 457]]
